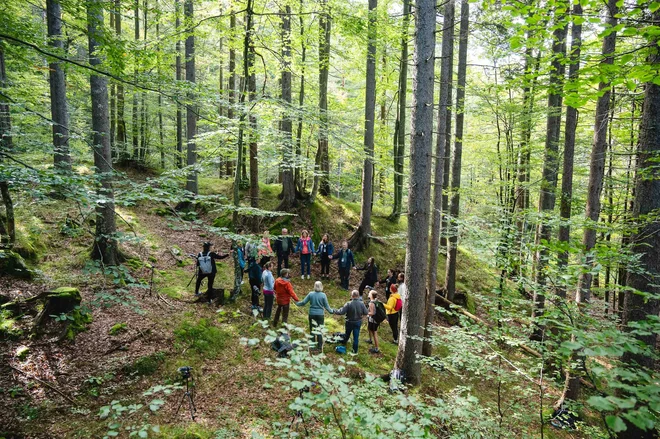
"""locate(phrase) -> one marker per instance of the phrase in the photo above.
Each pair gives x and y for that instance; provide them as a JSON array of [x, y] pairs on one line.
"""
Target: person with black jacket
[[254, 275], [325, 250], [345, 261], [389, 281], [206, 269], [283, 248], [354, 310], [370, 275]]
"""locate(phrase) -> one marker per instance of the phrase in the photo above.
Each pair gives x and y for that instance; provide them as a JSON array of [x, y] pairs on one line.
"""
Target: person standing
[[239, 266], [325, 250], [265, 251], [269, 289], [318, 304], [354, 311], [345, 262], [392, 309], [283, 293], [389, 281], [283, 248], [372, 321], [206, 269], [401, 286], [370, 275], [305, 248], [254, 275]]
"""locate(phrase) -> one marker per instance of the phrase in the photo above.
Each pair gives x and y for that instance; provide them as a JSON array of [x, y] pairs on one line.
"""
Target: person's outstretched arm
[[341, 311], [326, 305], [304, 301]]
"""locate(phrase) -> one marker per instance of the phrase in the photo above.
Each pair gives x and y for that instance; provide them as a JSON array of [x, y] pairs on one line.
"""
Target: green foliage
[[201, 336], [118, 328], [8, 326], [145, 366]]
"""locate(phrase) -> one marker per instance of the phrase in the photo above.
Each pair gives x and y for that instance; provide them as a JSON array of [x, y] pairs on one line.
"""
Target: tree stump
[[63, 300], [12, 264]]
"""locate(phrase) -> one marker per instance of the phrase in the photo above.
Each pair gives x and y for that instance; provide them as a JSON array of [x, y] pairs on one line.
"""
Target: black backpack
[[282, 345], [380, 312]]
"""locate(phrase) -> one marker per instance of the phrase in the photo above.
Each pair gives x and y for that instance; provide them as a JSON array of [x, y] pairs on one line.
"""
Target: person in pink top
[[305, 248], [265, 250]]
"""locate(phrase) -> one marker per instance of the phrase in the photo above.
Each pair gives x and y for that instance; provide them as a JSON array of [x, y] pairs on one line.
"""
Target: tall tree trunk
[[135, 119], [113, 97], [400, 123], [441, 140], [251, 78], [7, 221], [569, 145], [221, 94], [321, 165], [447, 162], [58, 103], [179, 77], [421, 154], [120, 138], [161, 135], [547, 196], [646, 240], [452, 251], [360, 238], [301, 102], [597, 160], [288, 181], [191, 113], [105, 246], [144, 138], [232, 77]]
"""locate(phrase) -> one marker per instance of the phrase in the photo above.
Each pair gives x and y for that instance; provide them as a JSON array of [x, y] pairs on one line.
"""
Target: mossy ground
[[236, 392]]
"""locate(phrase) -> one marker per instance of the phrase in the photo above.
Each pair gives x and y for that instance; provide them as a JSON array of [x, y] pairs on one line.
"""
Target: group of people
[[255, 259]]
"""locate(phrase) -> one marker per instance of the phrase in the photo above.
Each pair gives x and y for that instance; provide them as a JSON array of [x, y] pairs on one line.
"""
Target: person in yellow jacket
[[393, 310]]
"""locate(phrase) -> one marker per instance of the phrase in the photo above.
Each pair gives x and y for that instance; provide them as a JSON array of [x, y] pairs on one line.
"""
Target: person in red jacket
[[284, 293]]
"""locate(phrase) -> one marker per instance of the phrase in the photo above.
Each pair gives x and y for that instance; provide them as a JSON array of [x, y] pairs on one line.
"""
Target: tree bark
[[120, 138], [191, 113], [105, 247], [452, 250], [547, 196], [400, 123], [6, 142], [251, 78], [421, 153], [288, 181], [232, 77], [301, 101], [597, 160], [178, 77], [569, 145], [441, 139], [144, 134], [321, 165], [360, 238], [645, 239], [135, 115]]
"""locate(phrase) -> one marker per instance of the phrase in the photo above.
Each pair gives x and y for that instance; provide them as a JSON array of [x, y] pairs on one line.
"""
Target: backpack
[[399, 305], [205, 263], [340, 349], [282, 345], [241, 259], [380, 312]]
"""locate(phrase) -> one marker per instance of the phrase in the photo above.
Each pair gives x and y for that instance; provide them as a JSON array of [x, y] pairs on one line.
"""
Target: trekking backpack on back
[[399, 305], [380, 312], [205, 263]]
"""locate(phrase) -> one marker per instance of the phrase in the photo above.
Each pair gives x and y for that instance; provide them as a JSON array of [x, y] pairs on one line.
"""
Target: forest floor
[[57, 388]]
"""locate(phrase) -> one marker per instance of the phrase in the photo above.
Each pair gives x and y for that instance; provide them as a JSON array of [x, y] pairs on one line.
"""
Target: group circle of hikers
[[255, 259]]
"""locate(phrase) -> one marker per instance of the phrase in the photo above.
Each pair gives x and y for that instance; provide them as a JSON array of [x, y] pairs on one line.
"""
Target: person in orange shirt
[[284, 293]]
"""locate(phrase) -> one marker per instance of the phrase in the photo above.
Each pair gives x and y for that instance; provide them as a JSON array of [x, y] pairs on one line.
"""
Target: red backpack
[[399, 305]]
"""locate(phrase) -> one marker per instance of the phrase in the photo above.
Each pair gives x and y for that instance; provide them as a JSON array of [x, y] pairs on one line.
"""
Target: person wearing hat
[[206, 269]]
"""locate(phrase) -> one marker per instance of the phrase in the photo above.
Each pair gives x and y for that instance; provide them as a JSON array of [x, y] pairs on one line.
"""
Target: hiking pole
[[194, 274]]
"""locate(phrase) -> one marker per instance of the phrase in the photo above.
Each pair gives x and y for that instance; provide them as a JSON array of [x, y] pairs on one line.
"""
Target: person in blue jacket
[[345, 262], [325, 250]]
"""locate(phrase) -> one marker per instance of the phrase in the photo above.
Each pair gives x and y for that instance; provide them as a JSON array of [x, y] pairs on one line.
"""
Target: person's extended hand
[[330, 257]]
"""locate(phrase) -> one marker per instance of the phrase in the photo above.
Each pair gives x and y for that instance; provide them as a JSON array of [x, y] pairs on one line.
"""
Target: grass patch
[[202, 337], [146, 365]]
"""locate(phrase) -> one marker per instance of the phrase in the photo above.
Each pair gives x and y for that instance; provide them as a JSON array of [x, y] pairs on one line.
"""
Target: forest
[[158, 157]]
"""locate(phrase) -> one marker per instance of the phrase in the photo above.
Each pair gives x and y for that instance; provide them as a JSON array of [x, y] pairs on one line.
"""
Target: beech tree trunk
[[105, 246], [301, 101], [6, 142], [441, 139], [120, 138], [321, 163], [569, 144], [7, 221], [191, 113], [232, 78], [400, 123], [144, 143], [135, 116], [452, 247], [646, 238], [251, 78], [179, 77], [288, 181], [421, 154], [58, 103], [360, 238], [547, 196]]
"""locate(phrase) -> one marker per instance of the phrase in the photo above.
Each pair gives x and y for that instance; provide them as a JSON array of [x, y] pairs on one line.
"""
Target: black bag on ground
[[282, 345]]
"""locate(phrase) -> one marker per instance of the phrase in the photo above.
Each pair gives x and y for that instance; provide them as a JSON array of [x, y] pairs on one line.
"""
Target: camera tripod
[[189, 394], [298, 417]]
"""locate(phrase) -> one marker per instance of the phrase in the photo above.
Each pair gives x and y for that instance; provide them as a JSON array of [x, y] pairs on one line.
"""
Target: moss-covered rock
[[117, 328], [22, 352], [13, 264]]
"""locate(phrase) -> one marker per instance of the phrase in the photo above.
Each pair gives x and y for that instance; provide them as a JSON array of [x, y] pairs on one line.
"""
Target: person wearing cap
[[213, 256]]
